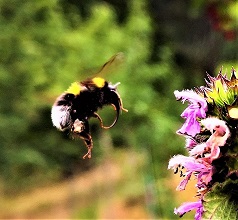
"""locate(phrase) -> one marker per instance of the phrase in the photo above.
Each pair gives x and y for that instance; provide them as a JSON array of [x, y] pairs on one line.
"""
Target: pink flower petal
[[188, 206], [196, 109]]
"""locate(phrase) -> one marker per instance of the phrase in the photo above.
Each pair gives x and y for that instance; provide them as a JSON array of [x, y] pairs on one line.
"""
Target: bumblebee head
[[112, 97]]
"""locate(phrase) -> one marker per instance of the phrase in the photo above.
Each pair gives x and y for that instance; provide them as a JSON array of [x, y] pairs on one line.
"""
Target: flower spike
[[210, 128]]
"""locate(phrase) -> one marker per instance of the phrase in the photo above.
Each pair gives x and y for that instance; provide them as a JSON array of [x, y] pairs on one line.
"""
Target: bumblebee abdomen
[[60, 115]]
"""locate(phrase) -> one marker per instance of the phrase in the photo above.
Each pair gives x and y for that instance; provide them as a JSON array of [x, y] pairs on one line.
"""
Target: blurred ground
[[93, 194], [113, 190]]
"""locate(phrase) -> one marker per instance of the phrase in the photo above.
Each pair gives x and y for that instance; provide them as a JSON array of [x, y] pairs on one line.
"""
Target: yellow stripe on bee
[[75, 88], [99, 82]]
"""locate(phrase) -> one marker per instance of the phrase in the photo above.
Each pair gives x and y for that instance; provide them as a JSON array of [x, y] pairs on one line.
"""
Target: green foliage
[[43, 51], [222, 202]]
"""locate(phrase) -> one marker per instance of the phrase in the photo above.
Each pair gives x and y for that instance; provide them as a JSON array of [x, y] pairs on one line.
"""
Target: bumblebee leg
[[117, 109], [85, 135], [89, 143], [96, 115]]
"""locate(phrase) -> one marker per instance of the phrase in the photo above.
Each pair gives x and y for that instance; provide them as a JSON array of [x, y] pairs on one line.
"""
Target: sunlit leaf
[[222, 201]]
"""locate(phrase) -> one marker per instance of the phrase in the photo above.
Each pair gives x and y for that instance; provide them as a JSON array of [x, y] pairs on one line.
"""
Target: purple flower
[[199, 162], [190, 143], [188, 206], [206, 133], [190, 163], [201, 169], [196, 109], [182, 185]]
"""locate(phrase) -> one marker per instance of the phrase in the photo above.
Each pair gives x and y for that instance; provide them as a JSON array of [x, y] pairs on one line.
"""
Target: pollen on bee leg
[[78, 126]]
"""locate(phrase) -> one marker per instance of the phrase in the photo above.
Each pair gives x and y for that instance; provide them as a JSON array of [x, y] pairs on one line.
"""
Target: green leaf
[[222, 201]]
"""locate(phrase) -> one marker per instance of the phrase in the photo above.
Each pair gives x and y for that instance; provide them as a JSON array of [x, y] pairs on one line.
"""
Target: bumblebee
[[81, 101]]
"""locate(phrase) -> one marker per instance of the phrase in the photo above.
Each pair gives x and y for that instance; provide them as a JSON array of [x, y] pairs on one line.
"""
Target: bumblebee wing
[[112, 64]]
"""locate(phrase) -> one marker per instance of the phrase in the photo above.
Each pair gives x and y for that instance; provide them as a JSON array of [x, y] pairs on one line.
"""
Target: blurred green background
[[46, 45]]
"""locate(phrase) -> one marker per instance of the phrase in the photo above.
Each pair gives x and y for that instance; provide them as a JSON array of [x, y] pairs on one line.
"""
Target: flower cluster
[[210, 129]]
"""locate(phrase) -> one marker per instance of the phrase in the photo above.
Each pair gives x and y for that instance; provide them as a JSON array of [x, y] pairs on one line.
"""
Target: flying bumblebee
[[81, 101]]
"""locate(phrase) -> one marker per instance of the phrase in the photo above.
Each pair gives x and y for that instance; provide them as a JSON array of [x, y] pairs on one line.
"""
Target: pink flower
[[218, 128], [200, 168], [190, 143], [196, 109], [210, 150], [188, 206], [210, 130]]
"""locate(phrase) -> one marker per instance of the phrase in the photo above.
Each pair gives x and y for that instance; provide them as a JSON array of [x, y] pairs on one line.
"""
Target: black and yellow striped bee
[[81, 101]]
